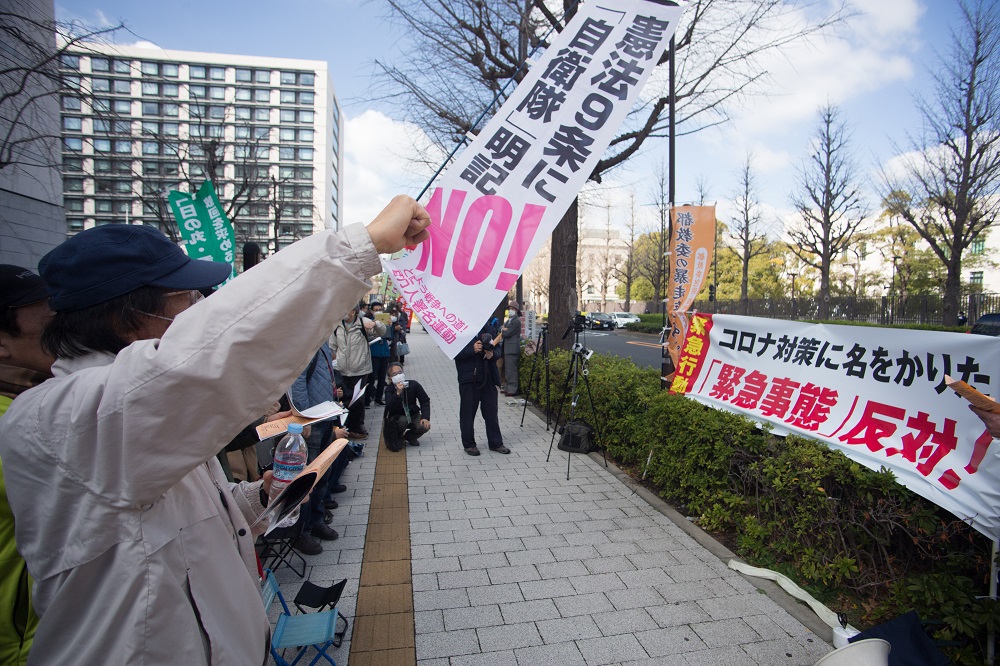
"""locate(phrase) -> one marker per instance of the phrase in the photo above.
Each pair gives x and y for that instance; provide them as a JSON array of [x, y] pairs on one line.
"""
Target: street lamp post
[[794, 309]]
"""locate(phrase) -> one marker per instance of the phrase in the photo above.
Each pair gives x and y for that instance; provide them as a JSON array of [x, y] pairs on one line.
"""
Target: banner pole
[[518, 75], [991, 636], [672, 195]]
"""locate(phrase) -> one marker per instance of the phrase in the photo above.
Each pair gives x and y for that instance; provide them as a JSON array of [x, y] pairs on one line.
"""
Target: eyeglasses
[[193, 294]]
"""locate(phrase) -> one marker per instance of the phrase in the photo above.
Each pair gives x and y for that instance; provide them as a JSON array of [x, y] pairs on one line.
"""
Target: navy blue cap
[[109, 261], [19, 286]]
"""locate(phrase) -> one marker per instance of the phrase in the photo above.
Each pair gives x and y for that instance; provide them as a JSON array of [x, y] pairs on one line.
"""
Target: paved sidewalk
[[514, 565]]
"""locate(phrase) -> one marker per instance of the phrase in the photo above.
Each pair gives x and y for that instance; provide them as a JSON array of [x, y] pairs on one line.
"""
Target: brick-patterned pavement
[[513, 564]]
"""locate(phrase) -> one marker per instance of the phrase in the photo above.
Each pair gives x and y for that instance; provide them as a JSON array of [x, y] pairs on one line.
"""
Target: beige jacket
[[350, 347], [140, 552]]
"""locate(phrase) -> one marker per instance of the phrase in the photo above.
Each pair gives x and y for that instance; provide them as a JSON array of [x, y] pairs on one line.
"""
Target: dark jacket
[[414, 396], [475, 368], [316, 383], [314, 386], [512, 335]]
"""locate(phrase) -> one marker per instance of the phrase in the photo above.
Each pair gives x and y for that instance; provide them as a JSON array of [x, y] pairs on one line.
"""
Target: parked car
[[623, 318], [988, 324], [600, 321]]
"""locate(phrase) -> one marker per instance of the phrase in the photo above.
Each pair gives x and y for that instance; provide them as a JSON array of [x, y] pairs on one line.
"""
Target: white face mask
[[510, 314], [393, 319], [399, 379]]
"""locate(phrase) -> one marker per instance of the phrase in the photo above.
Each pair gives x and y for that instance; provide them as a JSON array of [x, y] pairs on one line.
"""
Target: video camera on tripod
[[578, 325]]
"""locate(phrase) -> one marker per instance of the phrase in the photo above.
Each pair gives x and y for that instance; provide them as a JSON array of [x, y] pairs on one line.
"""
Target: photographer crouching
[[478, 383], [405, 401]]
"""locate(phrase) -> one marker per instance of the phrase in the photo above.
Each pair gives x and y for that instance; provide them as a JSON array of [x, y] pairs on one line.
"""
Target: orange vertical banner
[[692, 241]]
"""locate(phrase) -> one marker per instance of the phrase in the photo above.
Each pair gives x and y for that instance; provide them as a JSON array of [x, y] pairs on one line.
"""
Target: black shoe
[[330, 503], [472, 451], [339, 488], [412, 442], [500, 449], [307, 545], [325, 532], [327, 516], [380, 402], [368, 405]]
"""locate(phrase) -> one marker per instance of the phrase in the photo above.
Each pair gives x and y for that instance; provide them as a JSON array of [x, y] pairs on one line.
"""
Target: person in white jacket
[[140, 550]]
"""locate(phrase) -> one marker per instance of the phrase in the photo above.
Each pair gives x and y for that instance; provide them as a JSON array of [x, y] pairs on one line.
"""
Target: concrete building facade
[[31, 212], [266, 131]]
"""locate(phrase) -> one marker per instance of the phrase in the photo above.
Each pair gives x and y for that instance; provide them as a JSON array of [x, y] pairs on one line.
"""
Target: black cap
[[105, 262], [19, 286]]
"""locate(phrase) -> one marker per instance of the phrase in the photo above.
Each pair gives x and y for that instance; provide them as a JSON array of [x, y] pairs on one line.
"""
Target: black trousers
[[376, 380], [393, 428], [485, 400], [356, 412]]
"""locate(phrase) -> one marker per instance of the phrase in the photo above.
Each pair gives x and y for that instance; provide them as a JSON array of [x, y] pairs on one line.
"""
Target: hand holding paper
[[977, 399], [359, 390], [300, 487]]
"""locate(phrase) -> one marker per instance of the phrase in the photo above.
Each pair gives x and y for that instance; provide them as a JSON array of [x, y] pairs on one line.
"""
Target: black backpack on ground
[[577, 437]]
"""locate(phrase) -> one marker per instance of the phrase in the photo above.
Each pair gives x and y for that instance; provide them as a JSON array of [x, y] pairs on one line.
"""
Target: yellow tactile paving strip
[[383, 624]]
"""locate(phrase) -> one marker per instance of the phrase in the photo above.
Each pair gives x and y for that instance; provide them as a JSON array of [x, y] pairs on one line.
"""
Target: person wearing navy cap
[[142, 553]]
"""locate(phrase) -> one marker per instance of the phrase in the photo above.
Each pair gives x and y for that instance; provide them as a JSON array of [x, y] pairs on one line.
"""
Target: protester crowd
[[131, 449], [139, 545]]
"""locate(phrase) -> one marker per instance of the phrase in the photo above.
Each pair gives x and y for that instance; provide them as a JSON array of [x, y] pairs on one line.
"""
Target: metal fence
[[884, 310]]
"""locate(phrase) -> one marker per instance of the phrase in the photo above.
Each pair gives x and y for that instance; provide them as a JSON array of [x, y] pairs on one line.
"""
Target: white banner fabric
[[503, 195], [875, 394]]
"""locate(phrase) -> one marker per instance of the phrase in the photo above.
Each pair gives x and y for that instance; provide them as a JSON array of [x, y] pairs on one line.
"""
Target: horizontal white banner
[[878, 395]]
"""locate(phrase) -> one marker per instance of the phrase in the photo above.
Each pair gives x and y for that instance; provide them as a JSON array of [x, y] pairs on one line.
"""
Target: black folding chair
[[321, 598], [277, 548]]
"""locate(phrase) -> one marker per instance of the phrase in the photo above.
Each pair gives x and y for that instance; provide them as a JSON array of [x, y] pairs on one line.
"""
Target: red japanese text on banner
[[503, 195]]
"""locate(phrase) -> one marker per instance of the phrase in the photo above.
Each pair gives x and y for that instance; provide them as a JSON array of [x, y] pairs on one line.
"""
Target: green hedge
[[853, 537], [649, 323]]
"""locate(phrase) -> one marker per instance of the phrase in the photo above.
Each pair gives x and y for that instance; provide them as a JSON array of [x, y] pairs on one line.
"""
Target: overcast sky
[[870, 67]]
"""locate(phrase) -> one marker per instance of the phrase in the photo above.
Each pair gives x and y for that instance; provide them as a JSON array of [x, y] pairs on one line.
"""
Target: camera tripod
[[542, 351], [577, 368]]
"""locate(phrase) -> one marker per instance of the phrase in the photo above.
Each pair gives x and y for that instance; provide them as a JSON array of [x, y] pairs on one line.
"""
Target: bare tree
[[536, 278], [829, 201], [747, 233], [625, 271], [951, 175], [651, 258], [31, 81], [649, 263], [464, 51], [606, 260], [237, 168]]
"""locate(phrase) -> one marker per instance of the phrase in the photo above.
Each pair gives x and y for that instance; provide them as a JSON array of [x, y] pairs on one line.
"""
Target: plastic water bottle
[[290, 457]]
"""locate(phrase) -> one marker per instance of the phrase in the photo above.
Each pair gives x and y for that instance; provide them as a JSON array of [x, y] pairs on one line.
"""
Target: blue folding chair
[[298, 631]]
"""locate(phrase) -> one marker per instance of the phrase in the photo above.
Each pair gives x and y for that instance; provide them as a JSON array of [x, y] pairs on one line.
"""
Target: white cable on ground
[[786, 583]]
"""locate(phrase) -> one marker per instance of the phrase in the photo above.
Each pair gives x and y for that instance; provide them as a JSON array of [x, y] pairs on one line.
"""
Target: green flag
[[208, 233]]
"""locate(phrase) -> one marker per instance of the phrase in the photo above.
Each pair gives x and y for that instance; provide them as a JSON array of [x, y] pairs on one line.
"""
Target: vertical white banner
[[503, 196]]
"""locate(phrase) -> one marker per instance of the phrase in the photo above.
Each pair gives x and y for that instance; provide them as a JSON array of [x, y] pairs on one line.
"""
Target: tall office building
[[31, 212], [266, 131]]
